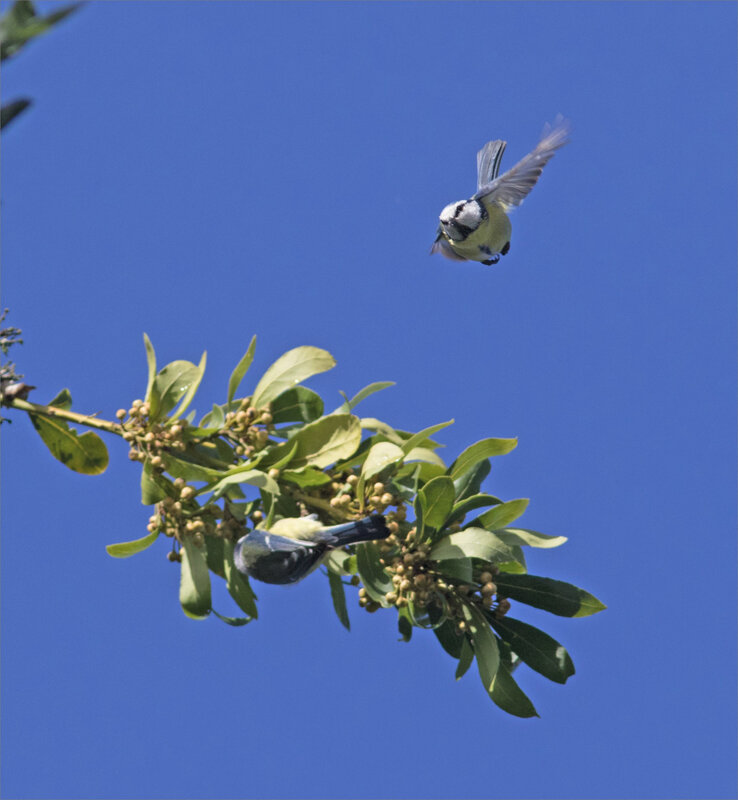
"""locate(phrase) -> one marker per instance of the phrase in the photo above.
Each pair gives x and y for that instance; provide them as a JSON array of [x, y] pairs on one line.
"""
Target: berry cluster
[[419, 585], [149, 440], [248, 428]]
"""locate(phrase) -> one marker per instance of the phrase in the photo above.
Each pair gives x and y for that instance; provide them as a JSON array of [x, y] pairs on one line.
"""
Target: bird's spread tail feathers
[[363, 530]]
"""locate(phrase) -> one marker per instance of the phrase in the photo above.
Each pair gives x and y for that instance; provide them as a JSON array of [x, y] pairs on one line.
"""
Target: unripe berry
[[485, 577], [386, 499], [378, 487], [120, 413]]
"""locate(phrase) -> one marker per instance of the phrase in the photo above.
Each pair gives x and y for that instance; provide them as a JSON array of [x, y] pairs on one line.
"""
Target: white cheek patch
[[470, 215]]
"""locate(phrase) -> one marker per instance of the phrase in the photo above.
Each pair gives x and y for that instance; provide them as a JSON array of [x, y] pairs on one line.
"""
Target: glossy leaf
[[381, 455], [425, 454], [471, 543], [216, 555], [437, 499], [537, 649], [213, 420], [472, 503], [193, 387], [473, 455], [298, 404], [509, 696], [349, 405], [523, 536], [194, 586], [236, 622], [557, 597], [419, 439], [321, 442], [305, 477], [154, 487], [290, 369], [404, 625], [466, 657], [502, 515], [376, 581], [151, 364], [253, 477], [241, 369], [13, 109], [339, 599], [470, 483], [451, 639], [458, 569], [20, 24], [62, 400], [237, 584], [85, 453], [171, 384], [127, 549], [485, 645]]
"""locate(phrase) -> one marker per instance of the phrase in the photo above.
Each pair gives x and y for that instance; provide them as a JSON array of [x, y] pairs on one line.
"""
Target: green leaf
[[171, 384], [241, 369], [320, 443], [290, 369], [554, 596], [339, 599], [194, 586], [63, 400], [236, 622], [380, 455], [509, 696], [237, 584], [451, 639], [349, 405], [465, 658], [85, 453], [193, 386], [523, 536], [253, 477], [485, 645], [480, 451], [376, 581], [536, 648], [424, 454], [437, 499], [151, 363], [419, 439], [216, 555], [404, 625], [11, 110], [459, 569], [470, 483], [463, 507], [305, 477], [21, 24], [126, 549], [179, 467], [213, 420], [472, 543], [154, 487], [298, 404], [502, 515]]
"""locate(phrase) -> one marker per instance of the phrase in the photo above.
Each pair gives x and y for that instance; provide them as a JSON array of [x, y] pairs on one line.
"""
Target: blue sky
[[209, 171]]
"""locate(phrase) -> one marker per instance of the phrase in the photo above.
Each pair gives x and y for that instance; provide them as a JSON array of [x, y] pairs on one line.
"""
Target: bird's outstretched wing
[[511, 188], [488, 162]]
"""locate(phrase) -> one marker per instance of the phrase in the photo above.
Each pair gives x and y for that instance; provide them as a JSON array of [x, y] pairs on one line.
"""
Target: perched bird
[[478, 229], [294, 547]]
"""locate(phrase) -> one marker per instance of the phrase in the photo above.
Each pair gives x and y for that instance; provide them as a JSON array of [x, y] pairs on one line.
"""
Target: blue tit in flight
[[478, 229], [293, 547]]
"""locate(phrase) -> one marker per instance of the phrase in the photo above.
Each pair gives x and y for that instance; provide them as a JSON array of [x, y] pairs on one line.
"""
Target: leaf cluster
[[454, 562]]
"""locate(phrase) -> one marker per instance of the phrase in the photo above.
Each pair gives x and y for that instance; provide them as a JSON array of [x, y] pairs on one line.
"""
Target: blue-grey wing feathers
[[511, 188], [489, 159]]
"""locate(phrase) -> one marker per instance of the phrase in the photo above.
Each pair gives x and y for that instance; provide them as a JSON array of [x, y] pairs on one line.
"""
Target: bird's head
[[459, 220]]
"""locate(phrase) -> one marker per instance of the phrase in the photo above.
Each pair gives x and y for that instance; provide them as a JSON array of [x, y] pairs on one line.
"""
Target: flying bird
[[293, 547], [478, 229]]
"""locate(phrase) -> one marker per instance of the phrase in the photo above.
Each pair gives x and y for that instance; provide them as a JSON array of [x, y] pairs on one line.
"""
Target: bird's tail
[[363, 530]]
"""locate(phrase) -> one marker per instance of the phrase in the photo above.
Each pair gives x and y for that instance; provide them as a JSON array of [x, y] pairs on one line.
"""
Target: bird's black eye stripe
[[482, 210]]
